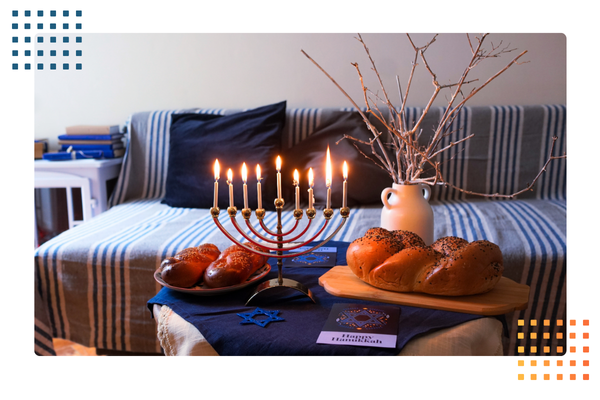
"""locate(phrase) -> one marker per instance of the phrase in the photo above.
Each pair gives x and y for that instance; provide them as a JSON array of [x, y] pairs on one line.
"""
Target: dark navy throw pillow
[[196, 140]]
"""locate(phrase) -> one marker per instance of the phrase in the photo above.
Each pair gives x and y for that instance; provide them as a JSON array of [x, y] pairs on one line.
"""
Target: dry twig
[[410, 157]]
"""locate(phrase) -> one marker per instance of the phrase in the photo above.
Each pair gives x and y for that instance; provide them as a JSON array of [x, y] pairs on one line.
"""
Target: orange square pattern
[[559, 335]]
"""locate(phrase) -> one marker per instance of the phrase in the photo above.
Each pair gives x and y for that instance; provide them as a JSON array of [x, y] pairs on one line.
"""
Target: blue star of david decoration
[[271, 317]]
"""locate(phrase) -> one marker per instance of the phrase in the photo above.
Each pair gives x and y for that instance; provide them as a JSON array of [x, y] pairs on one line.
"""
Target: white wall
[[125, 73]]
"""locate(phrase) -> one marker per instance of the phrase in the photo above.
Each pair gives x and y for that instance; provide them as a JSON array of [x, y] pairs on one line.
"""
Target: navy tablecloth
[[216, 317]]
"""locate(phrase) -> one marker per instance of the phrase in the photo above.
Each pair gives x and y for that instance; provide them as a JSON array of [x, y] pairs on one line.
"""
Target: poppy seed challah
[[400, 261]]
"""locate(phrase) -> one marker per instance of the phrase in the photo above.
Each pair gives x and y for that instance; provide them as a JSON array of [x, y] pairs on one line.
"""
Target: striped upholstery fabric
[[93, 281]]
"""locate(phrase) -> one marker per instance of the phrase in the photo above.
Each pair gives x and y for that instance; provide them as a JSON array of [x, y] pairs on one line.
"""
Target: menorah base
[[284, 283]]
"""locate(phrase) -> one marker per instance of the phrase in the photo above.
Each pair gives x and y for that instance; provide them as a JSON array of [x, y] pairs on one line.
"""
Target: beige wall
[[125, 73]]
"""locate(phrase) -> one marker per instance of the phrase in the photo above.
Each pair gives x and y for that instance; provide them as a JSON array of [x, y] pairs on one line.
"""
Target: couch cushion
[[196, 140]]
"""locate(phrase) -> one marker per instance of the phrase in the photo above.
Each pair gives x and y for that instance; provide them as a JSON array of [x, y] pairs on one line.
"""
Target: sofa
[[92, 282]]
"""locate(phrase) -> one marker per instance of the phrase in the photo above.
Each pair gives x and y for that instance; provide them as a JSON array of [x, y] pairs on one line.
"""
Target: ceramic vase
[[406, 207]]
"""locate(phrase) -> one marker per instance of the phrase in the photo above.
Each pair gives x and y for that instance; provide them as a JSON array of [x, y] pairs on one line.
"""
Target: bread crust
[[186, 268], [234, 266], [451, 266], [206, 264]]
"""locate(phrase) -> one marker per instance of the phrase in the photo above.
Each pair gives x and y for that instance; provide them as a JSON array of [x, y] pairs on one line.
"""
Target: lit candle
[[230, 183], [345, 187], [311, 182], [297, 184], [244, 179], [217, 171], [258, 189], [328, 178], [278, 165]]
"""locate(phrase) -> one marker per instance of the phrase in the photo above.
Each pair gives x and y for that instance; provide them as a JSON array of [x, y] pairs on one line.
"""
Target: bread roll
[[186, 268], [234, 266], [400, 261], [209, 250]]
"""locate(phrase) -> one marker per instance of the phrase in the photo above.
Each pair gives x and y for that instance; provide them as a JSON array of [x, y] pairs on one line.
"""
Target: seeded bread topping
[[400, 261]]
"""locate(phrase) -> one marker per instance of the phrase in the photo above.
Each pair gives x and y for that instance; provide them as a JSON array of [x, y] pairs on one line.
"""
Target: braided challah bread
[[400, 261]]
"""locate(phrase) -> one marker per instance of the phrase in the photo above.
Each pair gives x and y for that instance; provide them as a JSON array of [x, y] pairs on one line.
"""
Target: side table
[[89, 175]]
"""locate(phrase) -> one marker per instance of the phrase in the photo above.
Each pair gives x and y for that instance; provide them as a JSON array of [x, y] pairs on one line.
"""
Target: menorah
[[279, 241]]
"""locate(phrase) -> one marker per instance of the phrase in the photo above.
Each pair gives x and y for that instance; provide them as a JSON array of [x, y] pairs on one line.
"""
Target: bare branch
[[409, 157]]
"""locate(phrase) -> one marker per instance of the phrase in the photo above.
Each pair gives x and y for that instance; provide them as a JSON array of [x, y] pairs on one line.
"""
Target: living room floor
[[67, 348]]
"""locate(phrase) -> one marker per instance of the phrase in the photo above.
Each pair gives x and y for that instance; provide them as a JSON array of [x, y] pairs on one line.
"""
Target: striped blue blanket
[[93, 281]]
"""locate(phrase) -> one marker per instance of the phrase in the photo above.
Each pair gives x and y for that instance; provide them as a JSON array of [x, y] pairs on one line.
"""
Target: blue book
[[114, 146], [91, 137], [78, 155]]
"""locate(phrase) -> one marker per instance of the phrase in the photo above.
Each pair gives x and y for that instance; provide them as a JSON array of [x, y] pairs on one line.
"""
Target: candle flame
[[345, 168], [229, 176], [328, 172], [258, 177], [296, 178], [217, 170], [278, 164], [244, 173]]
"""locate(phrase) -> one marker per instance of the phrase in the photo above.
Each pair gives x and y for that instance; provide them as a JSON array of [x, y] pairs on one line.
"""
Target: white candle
[[311, 182], [297, 184], [278, 177], [217, 170], [230, 183], [345, 186], [244, 179], [328, 177], [258, 189]]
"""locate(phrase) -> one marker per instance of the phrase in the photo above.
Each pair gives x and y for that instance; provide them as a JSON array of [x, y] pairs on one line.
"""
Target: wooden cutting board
[[506, 296]]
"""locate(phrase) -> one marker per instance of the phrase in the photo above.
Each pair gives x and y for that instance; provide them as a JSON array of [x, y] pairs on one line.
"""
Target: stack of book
[[105, 138]]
